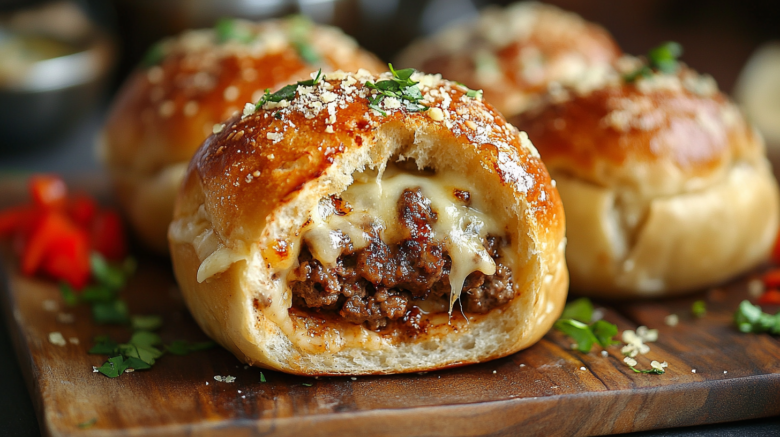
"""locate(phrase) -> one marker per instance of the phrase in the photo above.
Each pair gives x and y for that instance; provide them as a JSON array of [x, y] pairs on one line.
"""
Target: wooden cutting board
[[547, 389]]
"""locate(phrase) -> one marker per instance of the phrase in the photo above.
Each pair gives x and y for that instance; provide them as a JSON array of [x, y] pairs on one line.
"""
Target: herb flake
[[287, 92], [400, 87], [699, 309], [575, 323], [661, 59], [750, 318]]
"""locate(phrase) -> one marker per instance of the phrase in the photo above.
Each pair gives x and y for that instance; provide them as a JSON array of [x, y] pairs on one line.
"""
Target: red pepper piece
[[47, 228], [82, 210], [67, 258], [770, 297], [108, 236], [12, 219], [772, 279], [48, 191]]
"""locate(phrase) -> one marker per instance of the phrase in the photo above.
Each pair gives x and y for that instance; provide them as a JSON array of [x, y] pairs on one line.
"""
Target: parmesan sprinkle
[[65, 318], [191, 108], [436, 114], [249, 109], [274, 136], [329, 129], [230, 94], [50, 305], [228, 379], [57, 338], [671, 320], [167, 108], [217, 128]]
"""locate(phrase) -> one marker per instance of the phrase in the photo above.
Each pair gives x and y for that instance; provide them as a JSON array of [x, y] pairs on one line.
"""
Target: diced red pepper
[[48, 191], [67, 258], [12, 219], [82, 210], [46, 229], [770, 297], [108, 236], [772, 279]]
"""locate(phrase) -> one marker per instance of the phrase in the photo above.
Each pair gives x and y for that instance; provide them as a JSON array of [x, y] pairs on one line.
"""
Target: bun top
[[325, 129], [656, 133], [514, 53], [188, 83]]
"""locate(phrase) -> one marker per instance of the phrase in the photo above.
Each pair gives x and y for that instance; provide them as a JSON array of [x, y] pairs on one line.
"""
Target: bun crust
[[515, 54], [254, 186], [665, 185], [164, 111]]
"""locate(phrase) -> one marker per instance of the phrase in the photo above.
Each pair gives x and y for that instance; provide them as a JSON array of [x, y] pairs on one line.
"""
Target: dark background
[[718, 37]]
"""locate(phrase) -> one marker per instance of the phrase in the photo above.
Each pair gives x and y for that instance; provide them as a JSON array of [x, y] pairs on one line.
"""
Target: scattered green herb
[[400, 87], [579, 309], [474, 94], [287, 92], [153, 56], [68, 295], [300, 29], [145, 323], [113, 312], [575, 322], [750, 318], [662, 59], [652, 371], [699, 309], [306, 384], [262, 377], [140, 352], [88, 424], [228, 29]]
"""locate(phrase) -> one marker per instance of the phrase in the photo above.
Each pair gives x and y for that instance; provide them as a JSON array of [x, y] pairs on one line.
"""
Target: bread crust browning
[[515, 53], [257, 180], [163, 112], [665, 185]]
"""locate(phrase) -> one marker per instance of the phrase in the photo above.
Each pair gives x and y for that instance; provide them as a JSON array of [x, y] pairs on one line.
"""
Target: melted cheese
[[213, 255], [374, 201]]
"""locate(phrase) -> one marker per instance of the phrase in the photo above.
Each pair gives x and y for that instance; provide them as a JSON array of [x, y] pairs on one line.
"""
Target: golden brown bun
[[515, 53], [252, 187], [665, 185], [165, 111]]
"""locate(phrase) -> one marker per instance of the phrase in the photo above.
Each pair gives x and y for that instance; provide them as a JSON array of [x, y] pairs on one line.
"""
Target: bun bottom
[[680, 243], [147, 202], [223, 307]]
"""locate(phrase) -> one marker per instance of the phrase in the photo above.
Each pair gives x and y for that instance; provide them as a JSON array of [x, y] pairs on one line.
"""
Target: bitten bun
[[515, 54], [187, 85], [665, 185], [266, 201]]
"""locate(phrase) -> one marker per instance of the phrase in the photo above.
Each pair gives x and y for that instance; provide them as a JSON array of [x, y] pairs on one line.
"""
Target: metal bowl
[[54, 94]]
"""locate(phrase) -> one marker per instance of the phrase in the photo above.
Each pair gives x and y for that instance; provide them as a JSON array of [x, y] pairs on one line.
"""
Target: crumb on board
[[57, 338], [229, 379]]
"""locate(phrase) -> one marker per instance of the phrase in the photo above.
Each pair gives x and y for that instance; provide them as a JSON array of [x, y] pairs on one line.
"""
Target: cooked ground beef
[[375, 284]]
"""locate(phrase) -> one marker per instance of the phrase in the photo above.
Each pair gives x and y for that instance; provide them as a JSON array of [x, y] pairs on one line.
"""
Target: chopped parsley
[[652, 371], [262, 377], [300, 28], [228, 29], [699, 309], [287, 92], [474, 94], [661, 59], [103, 295], [146, 323], [154, 55], [400, 87], [575, 322], [306, 384], [750, 318], [140, 352], [88, 424]]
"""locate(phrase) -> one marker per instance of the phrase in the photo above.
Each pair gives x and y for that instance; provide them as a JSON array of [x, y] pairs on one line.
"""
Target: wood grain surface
[[547, 389]]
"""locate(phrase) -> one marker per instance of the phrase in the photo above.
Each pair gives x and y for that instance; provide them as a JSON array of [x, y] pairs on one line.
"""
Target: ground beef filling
[[376, 284]]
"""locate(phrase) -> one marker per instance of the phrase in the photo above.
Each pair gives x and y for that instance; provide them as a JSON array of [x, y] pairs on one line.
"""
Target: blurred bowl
[[53, 94]]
